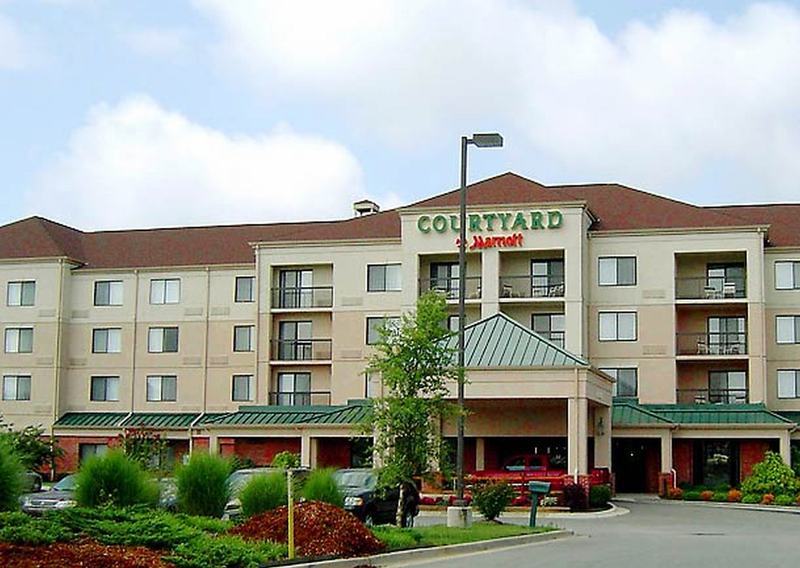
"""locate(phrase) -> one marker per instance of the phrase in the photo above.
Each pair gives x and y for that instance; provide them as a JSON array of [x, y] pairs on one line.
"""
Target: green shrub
[[263, 493], [397, 539], [599, 496], [20, 528], [320, 485], [771, 476], [692, 495], [784, 500], [493, 498], [114, 479], [751, 498], [225, 552], [11, 473], [286, 460], [721, 488], [720, 496], [575, 497], [203, 485]]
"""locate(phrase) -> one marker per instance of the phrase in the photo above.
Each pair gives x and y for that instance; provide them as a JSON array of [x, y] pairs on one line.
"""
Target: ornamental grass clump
[[114, 479], [11, 473], [263, 493], [320, 485], [493, 498], [203, 485]]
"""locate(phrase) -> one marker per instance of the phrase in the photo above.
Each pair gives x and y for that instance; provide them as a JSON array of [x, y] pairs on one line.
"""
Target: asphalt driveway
[[657, 534]]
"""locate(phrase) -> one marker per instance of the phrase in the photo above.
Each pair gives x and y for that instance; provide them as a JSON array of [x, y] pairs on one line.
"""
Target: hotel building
[[607, 327]]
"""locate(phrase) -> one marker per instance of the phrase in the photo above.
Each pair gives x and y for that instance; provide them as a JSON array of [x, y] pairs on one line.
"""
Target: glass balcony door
[[547, 278], [296, 289], [294, 389], [294, 341], [444, 278], [727, 335]]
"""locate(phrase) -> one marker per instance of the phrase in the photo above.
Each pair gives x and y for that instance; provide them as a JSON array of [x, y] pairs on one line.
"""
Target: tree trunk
[[399, 513]]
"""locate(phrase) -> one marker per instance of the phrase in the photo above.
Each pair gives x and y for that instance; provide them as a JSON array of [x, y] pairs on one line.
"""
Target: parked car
[[32, 482], [239, 479], [374, 506], [60, 496]]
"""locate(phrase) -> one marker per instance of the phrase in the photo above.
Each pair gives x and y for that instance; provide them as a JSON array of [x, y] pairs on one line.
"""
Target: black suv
[[373, 506]]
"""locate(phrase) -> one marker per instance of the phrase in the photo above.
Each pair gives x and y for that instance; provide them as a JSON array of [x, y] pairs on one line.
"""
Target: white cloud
[[15, 49], [658, 104], [136, 164], [157, 42]]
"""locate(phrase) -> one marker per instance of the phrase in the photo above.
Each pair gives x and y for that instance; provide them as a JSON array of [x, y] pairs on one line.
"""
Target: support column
[[490, 282], [786, 447], [308, 451], [602, 436], [666, 452], [480, 454], [213, 444], [577, 434]]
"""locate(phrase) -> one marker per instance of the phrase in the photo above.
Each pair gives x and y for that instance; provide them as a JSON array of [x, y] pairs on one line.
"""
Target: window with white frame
[[17, 387], [162, 388], [162, 340], [788, 383], [787, 329], [549, 326], [372, 385], [21, 293], [616, 271], [294, 389], [617, 326], [19, 340], [242, 388], [787, 275], [108, 293], [245, 289], [626, 380], [379, 325], [383, 278], [104, 389], [243, 337], [107, 340], [165, 291]]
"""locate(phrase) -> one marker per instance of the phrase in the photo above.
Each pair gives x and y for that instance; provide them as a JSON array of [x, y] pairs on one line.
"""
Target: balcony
[[528, 287], [711, 288], [301, 350], [449, 287], [712, 396], [302, 298], [556, 337], [307, 398], [711, 344]]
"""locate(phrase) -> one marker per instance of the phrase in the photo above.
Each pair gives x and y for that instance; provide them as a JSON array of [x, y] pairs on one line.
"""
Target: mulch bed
[[79, 554], [319, 530]]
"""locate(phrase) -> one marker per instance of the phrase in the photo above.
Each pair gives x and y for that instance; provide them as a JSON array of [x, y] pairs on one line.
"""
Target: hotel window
[[372, 384], [107, 340], [243, 338], [727, 387], [788, 383], [378, 325], [617, 326], [108, 293], [22, 293], [104, 389], [383, 278], [787, 275], [617, 271], [549, 326], [627, 381], [242, 388], [162, 388], [787, 329], [294, 341], [296, 289], [727, 279], [162, 340], [19, 340], [86, 451], [245, 289], [165, 291], [444, 278], [547, 278], [17, 387], [294, 389]]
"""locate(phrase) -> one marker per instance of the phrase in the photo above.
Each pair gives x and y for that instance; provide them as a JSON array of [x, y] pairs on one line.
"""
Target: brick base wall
[[260, 451], [333, 452], [682, 456], [750, 453], [70, 461]]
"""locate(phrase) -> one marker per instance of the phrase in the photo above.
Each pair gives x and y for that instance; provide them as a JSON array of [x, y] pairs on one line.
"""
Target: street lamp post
[[485, 140]]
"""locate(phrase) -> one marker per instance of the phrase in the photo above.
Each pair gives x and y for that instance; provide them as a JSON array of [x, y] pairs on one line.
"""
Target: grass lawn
[[397, 539]]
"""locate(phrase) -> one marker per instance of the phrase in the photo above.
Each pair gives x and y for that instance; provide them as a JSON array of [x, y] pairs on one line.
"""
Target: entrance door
[[636, 464]]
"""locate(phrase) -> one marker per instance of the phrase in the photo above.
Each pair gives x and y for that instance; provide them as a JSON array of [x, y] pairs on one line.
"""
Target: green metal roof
[[160, 420], [499, 341], [352, 413], [626, 413], [717, 414], [91, 419], [792, 416]]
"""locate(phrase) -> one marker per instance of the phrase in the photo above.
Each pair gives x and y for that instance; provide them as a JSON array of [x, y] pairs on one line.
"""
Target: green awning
[[160, 420], [90, 420], [631, 414], [718, 414], [352, 413], [500, 342]]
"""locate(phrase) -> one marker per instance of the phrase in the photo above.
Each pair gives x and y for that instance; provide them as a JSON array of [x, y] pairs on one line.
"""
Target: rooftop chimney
[[365, 207]]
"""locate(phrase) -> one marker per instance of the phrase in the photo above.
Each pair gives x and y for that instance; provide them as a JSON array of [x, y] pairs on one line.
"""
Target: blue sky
[[132, 114]]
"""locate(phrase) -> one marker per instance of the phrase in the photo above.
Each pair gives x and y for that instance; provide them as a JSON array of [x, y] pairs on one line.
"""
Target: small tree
[[415, 364], [772, 476], [145, 447], [34, 449], [493, 498], [286, 460]]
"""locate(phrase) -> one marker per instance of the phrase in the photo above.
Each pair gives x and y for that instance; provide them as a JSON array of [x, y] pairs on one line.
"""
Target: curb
[[736, 506], [433, 553], [614, 511]]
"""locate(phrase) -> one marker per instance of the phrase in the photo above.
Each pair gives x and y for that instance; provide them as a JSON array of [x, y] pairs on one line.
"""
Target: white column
[[577, 434], [480, 454], [490, 286], [666, 452], [306, 450], [213, 444], [602, 436], [786, 447]]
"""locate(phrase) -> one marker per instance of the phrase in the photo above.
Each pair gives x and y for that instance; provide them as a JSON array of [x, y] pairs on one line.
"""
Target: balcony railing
[[301, 349], [556, 337], [309, 398], [712, 396], [305, 297], [449, 286], [531, 287], [711, 343], [710, 288]]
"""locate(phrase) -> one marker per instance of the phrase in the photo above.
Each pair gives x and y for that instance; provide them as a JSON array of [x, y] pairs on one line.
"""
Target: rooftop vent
[[365, 207]]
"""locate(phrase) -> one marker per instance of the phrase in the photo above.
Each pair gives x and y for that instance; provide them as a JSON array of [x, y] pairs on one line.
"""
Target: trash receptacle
[[537, 489]]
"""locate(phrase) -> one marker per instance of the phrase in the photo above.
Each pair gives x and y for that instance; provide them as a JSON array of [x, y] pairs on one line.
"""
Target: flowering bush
[[675, 493], [734, 496], [493, 498], [768, 499], [706, 495], [771, 476]]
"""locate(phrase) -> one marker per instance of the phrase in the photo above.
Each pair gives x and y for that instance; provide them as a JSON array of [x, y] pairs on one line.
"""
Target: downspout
[[191, 428]]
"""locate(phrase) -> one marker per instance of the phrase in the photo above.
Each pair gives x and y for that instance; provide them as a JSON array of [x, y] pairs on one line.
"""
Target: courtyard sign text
[[507, 221]]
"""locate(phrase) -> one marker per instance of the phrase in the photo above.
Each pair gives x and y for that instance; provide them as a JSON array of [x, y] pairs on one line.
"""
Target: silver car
[[60, 496]]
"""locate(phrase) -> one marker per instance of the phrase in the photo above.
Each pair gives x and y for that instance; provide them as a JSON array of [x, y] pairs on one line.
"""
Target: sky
[[117, 114]]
